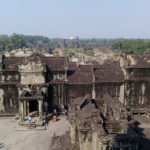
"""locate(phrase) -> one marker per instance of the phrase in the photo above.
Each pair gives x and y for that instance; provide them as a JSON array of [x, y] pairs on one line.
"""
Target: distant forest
[[19, 41]]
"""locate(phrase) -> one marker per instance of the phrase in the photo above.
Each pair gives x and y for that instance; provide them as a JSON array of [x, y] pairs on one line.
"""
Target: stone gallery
[[102, 97]]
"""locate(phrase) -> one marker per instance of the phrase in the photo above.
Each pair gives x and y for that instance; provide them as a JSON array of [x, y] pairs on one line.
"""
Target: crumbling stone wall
[[9, 99], [137, 87], [57, 95], [10, 77], [137, 93], [131, 86], [9, 92], [76, 91], [31, 72], [100, 124], [84, 139], [110, 88], [2, 109]]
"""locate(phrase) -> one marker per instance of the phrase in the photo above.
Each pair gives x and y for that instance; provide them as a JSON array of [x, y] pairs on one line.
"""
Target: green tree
[[4, 40], [17, 41]]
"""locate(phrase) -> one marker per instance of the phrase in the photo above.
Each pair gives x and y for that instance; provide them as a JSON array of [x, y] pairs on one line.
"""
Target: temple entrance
[[31, 103], [33, 106]]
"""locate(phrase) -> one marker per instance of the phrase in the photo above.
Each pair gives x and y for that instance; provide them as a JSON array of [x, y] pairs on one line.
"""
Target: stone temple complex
[[102, 97]]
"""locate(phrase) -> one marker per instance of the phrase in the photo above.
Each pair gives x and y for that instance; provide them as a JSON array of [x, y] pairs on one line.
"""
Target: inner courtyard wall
[[131, 90]]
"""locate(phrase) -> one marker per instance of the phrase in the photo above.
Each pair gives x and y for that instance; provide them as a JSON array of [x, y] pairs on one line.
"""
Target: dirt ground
[[30, 139]]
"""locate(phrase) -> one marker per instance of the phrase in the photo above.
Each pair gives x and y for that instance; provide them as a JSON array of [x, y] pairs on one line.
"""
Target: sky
[[71, 18]]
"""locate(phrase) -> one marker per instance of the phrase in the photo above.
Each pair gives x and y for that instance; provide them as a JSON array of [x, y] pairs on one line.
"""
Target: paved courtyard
[[29, 139]]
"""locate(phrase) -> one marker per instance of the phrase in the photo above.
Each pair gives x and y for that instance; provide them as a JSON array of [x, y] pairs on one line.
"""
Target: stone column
[[122, 94], [59, 98], [136, 146], [66, 69], [25, 108], [66, 79], [105, 147], [130, 148], [21, 110], [73, 133], [93, 87], [93, 92], [40, 108], [1, 100]]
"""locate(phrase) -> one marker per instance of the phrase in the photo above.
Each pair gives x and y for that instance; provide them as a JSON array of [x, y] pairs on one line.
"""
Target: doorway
[[33, 106]]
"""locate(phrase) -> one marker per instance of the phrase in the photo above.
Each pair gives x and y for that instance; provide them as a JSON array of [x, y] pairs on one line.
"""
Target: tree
[[4, 40], [17, 41]]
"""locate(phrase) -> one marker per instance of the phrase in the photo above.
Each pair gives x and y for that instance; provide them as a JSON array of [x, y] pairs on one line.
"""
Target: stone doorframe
[[24, 107]]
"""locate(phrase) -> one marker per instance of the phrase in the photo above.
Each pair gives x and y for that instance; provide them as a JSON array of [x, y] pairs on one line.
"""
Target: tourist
[[29, 120]]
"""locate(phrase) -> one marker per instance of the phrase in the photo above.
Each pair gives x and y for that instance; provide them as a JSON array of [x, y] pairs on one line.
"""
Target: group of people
[[54, 114], [64, 107]]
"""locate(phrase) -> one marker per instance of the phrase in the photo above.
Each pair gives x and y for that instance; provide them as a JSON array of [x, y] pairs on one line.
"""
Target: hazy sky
[[83, 18]]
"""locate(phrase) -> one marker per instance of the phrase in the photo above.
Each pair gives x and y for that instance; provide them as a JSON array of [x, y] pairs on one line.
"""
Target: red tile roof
[[80, 77], [11, 63], [83, 75], [54, 63], [108, 72], [138, 61]]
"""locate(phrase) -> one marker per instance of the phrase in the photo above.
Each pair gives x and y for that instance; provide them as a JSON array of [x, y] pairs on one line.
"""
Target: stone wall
[[100, 125], [9, 92], [9, 99], [76, 91], [133, 90], [31, 72], [113, 89], [137, 87], [2, 109], [137, 93]]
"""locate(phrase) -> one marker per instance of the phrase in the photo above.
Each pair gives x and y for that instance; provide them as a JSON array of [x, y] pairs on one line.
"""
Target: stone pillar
[[136, 146], [25, 108], [130, 148], [105, 147], [93, 88], [1, 100], [40, 108], [93, 92], [59, 95], [94, 141], [64, 95], [66, 69], [73, 133], [21, 110], [122, 94], [66, 76]]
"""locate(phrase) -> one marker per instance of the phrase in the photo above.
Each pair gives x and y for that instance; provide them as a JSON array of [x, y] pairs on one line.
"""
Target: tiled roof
[[11, 63], [72, 66], [83, 75], [78, 74], [80, 77], [54, 63], [138, 61], [108, 72], [85, 68]]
